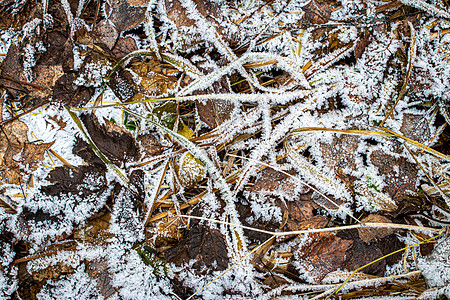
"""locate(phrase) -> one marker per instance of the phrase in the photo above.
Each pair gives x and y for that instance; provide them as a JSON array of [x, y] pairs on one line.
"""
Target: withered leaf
[[150, 145], [205, 245], [361, 254], [105, 32], [270, 180], [124, 46], [324, 254], [98, 270], [122, 84], [83, 180], [125, 16], [362, 43], [275, 281], [113, 141], [13, 137], [372, 234], [33, 153], [317, 13], [95, 231], [67, 92], [396, 182]]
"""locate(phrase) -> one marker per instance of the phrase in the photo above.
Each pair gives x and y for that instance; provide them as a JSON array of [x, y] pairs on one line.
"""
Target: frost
[[436, 267], [77, 286]]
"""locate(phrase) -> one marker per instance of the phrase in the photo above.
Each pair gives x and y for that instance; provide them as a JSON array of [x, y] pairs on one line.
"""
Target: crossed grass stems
[[300, 79]]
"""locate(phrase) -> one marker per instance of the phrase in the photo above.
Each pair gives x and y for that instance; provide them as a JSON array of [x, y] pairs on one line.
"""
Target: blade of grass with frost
[[283, 63], [386, 133], [330, 59], [303, 287], [97, 151], [211, 34], [150, 30], [430, 178], [429, 8], [219, 180], [314, 175], [278, 134], [182, 65], [251, 98]]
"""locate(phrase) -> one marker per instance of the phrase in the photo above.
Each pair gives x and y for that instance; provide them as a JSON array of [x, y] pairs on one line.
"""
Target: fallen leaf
[[373, 234], [203, 244], [105, 32], [124, 46], [113, 141], [317, 13], [98, 270], [361, 254], [33, 153], [67, 92], [322, 254], [125, 16], [400, 175]]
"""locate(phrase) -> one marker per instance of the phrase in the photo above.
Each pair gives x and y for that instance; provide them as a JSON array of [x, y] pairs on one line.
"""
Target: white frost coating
[[133, 279], [436, 267], [77, 286]]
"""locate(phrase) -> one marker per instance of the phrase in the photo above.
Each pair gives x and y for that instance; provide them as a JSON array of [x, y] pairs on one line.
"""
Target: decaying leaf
[[321, 255], [372, 234], [98, 270], [205, 245], [33, 153], [113, 141]]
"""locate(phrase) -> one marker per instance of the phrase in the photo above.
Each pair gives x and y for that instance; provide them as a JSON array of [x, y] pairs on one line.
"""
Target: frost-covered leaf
[[190, 170]]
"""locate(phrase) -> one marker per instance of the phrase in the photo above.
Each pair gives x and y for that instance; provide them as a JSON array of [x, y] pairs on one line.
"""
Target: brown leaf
[[98, 270], [95, 231], [275, 281], [362, 43], [342, 152], [74, 180], [33, 153], [317, 13], [105, 32], [372, 234], [125, 16], [322, 255], [124, 46], [214, 113], [270, 180], [205, 245], [150, 145], [415, 127], [361, 254], [113, 141], [67, 92], [122, 84], [399, 174]]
